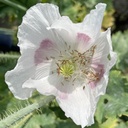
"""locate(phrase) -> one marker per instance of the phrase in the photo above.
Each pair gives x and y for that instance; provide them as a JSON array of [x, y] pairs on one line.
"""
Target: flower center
[[66, 68], [75, 66]]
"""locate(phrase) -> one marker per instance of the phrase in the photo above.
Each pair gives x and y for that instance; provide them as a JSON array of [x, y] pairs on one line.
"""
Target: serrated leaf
[[44, 120], [115, 102], [116, 95], [120, 45], [116, 84], [116, 106], [48, 119]]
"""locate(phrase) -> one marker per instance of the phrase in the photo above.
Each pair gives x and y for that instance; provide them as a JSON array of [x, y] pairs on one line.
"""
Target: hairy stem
[[23, 112], [8, 56]]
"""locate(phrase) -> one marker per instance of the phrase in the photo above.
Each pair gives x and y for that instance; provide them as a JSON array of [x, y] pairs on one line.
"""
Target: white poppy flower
[[60, 58]]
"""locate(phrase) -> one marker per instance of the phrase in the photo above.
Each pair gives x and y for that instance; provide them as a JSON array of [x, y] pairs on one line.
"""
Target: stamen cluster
[[78, 66]]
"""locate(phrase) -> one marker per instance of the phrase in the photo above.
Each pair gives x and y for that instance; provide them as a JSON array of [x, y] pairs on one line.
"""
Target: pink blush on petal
[[83, 42], [62, 95], [46, 44], [99, 68], [99, 72], [92, 84], [83, 37], [40, 53]]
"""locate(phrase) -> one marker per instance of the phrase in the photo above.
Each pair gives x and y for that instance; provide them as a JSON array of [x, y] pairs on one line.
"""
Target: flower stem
[[15, 5], [8, 121]]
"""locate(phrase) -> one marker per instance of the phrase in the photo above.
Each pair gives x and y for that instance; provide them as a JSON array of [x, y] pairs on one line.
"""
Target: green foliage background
[[112, 108]]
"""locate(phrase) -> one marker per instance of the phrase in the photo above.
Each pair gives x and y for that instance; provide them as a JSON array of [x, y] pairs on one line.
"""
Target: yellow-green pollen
[[66, 68]]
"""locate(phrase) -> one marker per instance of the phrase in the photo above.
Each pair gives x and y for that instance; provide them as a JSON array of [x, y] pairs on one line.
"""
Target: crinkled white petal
[[35, 23], [65, 29], [31, 33], [93, 21], [101, 87], [44, 70], [113, 55], [24, 70], [84, 42], [104, 48], [90, 26], [79, 105], [70, 33], [47, 85], [43, 85]]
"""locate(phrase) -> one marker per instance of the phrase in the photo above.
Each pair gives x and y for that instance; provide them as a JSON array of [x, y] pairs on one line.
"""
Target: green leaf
[[46, 120], [117, 96], [115, 102], [116, 84], [120, 45], [117, 105], [122, 124], [16, 116], [67, 124], [99, 114], [58, 112], [75, 10], [110, 123]]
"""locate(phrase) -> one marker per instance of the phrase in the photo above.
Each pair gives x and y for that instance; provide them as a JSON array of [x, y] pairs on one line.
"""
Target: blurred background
[[112, 109]]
